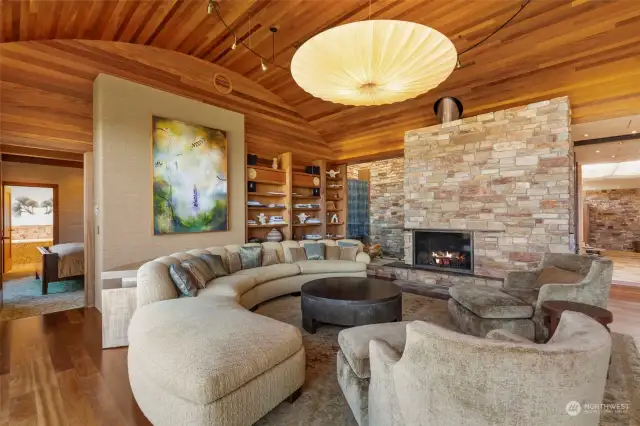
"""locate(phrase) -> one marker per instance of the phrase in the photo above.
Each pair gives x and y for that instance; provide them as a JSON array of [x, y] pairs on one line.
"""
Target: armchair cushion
[[527, 295], [354, 343], [554, 275], [488, 302]]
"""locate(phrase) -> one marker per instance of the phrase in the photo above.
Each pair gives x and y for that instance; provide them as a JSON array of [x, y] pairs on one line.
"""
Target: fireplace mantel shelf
[[454, 230]]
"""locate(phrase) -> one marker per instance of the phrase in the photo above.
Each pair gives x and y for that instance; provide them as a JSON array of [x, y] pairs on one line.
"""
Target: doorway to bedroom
[[30, 231]]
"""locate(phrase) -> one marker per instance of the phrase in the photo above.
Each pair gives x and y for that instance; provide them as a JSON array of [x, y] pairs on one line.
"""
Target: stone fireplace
[[443, 250], [502, 182]]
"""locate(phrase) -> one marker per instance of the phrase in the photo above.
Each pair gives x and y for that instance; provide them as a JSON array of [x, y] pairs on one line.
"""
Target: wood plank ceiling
[[586, 49]]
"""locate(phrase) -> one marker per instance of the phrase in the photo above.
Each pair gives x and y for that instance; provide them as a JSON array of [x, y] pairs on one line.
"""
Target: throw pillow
[[215, 263], [250, 257], [297, 254], [234, 262], [314, 251], [269, 257], [198, 270], [183, 281], [348, 253], [332, 253], [346, 244], [553, 275]]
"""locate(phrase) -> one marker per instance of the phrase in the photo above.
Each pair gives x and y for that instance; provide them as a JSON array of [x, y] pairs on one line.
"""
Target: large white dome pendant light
[[373, 62]]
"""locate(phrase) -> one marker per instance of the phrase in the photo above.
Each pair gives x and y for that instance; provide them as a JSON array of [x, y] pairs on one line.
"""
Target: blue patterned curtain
[[358, 220]]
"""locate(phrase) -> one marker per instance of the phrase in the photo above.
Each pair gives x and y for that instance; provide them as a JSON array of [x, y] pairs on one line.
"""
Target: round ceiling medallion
[[373, 62], [222, 83]]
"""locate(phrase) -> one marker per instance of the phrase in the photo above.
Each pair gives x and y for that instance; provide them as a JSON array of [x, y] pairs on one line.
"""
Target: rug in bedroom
[[322, 403], [23, 297]]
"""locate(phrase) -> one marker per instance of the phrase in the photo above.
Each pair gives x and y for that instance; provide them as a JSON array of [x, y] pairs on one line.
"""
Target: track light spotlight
[[235, 43], [211, 7], [458, 64], [263, 64]]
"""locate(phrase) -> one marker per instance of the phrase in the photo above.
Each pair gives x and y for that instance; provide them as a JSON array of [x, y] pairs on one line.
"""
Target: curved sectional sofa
[[208, 360]]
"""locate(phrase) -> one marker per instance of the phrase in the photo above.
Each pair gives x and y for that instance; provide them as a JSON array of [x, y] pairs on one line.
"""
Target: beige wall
[[70, 193], [122, 192]]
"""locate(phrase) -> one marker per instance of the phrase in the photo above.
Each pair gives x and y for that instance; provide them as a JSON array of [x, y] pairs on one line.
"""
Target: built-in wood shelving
[[336, 199], [286, 180], [268, 179], [304, 184]]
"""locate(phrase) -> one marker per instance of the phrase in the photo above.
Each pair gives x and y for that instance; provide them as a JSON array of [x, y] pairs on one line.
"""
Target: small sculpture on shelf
[[262, 219], [333, 173], [274, 165], [336, 196], [334, 219], [302, 217]]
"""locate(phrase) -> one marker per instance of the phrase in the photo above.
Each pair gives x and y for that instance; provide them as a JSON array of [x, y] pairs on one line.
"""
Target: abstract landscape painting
[[189, 178]]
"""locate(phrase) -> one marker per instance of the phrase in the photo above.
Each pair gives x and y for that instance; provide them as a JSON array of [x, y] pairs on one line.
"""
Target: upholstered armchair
[[447, 378], [592, 289]]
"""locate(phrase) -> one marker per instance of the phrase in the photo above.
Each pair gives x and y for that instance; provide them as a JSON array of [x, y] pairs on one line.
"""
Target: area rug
[[23, 298], [322, 403]]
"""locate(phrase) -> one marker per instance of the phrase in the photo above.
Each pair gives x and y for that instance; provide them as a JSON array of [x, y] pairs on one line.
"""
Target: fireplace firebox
[[443, 250]]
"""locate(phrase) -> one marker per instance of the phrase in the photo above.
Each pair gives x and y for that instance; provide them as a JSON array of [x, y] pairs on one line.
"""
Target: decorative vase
[[274, 236], [274, 165]]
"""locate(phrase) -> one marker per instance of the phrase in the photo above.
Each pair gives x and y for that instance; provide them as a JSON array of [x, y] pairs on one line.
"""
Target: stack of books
[[313, 237], [312, 220], [253, 203], [251, 222], [276, 220]]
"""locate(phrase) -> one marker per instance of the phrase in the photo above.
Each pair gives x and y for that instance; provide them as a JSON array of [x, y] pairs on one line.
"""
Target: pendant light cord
[[215, 6], [216, 9], [522, 6]]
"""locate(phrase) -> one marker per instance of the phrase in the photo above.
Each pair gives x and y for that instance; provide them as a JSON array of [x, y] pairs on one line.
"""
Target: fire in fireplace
[[443, 250]]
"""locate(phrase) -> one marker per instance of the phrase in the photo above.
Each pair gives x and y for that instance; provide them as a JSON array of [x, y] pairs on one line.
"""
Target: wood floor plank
[[101, 400], [4, 399], [76, 406], [20, 378], [49, 405], [22, 410]]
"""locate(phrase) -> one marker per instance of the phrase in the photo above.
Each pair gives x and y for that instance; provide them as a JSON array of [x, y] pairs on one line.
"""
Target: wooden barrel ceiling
[[588, 50]]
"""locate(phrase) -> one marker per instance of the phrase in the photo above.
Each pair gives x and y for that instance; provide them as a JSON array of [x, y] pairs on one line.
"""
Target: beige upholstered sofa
[[430, 375], [208, 360]]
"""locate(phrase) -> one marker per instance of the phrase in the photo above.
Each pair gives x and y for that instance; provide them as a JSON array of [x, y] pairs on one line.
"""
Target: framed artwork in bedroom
[[190, 169]]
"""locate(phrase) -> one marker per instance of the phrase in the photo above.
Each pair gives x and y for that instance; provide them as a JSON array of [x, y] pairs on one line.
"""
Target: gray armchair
[[517, 306], [446, 378], [593, 289]]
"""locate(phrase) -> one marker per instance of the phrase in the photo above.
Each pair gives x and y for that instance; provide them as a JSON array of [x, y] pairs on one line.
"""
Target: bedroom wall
[[123, 188], [70, 193]]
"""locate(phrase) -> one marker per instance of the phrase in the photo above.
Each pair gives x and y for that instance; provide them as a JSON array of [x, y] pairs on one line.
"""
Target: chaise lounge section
[[208, 360]]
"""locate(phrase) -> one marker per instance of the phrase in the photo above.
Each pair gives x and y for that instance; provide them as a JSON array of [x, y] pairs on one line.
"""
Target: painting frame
[[154, 119]]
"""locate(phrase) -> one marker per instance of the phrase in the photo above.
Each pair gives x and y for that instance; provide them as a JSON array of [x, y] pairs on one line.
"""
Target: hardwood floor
[[626, 267], [53, 370]]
